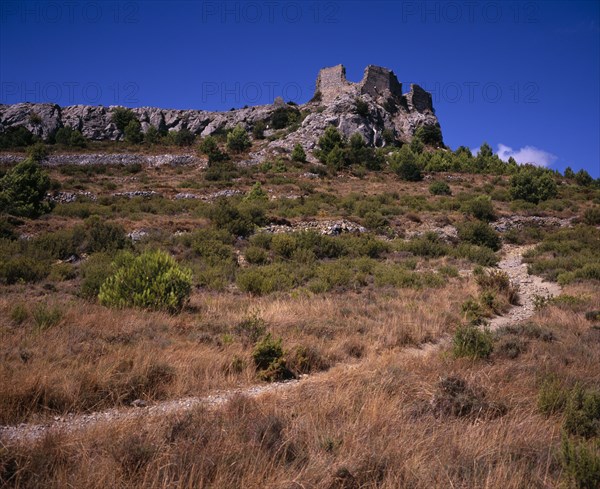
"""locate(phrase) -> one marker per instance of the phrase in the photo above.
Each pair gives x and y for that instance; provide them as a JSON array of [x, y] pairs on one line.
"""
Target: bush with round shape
[[152, 280], [238, 140], [23, 190], [440, 188], [531, 187], [479, 233]]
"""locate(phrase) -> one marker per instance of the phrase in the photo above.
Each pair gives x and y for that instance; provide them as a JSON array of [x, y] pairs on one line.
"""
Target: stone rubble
[[329, 228]]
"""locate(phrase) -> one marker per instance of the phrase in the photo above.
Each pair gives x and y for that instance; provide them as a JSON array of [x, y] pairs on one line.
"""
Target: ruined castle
[[386, 109], [378, 82]]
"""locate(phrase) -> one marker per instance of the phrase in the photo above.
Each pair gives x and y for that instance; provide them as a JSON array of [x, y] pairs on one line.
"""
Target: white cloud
[[526, 154]]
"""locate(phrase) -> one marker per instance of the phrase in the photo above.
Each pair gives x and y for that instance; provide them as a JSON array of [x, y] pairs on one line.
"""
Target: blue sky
[[523, 76]]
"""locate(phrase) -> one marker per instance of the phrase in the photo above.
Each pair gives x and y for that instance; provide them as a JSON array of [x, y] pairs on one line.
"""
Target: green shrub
[[430, 135], [440, 188], [256, 256], [269, 360], [15, 137], [183, 137], [238, 220], [472, 342], [251, 330], [23, 190], [582, 412], [361, 107], [591, 216], [121, 117], [22, 269], [284, 245], [481, 255], [209, 147], [552, 397], [46, 317], [330, 140], [284, 116], [581, 463], [152, 280], [298, 154], [583, 178], [429, 246], [256, 193], [567, 255], [19, 314], [238, 140], [473, 311], [481, 208], [531, 187], [133, 132], [258, 131], [266, 279], [38, 151], [479, 233], [404, 163], [67, 136], [94, 272]]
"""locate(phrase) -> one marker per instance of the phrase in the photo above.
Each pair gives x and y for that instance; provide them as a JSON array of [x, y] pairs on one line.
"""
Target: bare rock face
[[383, 106]]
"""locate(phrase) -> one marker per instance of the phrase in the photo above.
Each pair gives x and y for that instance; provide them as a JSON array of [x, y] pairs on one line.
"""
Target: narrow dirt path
[[511, 263]]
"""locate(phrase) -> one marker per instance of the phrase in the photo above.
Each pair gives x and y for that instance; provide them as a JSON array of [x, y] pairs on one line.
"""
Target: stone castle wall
[[376, 82], [332, 82]]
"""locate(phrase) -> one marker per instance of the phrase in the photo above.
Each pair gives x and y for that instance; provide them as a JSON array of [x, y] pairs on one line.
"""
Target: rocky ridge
[[383, 107]]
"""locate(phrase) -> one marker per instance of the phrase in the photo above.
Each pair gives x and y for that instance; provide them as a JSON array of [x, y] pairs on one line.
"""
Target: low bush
[[238, 140], [581, 463], [251, 329], [45, 317], [582, 412], [591, 216], [532, 186], [23, 190], [567, 255], [472, 342], [152, 280], [479, 233], [440, 188], [481, 208], [298, 154], [269, 359], [22, 269]]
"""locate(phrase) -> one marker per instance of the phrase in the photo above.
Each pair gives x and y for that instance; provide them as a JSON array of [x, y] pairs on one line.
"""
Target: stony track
[[511, 263]]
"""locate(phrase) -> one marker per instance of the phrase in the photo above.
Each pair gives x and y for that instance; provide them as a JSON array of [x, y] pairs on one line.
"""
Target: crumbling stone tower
[[378, 82]]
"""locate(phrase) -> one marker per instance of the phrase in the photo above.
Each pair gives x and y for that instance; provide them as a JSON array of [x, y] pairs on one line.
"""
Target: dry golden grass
[[97, 358], [375, 425]]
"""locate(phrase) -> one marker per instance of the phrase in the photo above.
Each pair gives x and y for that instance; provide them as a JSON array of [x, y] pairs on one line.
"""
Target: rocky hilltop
[[368, 107]]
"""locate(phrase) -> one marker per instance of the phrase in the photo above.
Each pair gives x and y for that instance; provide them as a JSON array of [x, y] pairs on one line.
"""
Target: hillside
[[315, 296]]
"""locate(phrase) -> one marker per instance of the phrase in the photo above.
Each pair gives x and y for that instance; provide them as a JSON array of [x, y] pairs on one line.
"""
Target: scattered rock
[[137, 193], [329, 228], [518, 222]]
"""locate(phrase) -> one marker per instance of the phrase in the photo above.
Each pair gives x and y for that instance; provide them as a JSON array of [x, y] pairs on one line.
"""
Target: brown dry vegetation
[[98, 357], [388, 423], [376, 417]]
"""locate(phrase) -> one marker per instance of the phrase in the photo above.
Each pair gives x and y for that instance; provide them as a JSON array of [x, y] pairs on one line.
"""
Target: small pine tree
[[298, 153], [404, 163], [23, 190], [121, 117], [152, 135], [133, 132], [238, 140]]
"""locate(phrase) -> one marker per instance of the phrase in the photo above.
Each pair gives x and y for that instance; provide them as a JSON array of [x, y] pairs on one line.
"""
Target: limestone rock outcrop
[[369, 107]]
